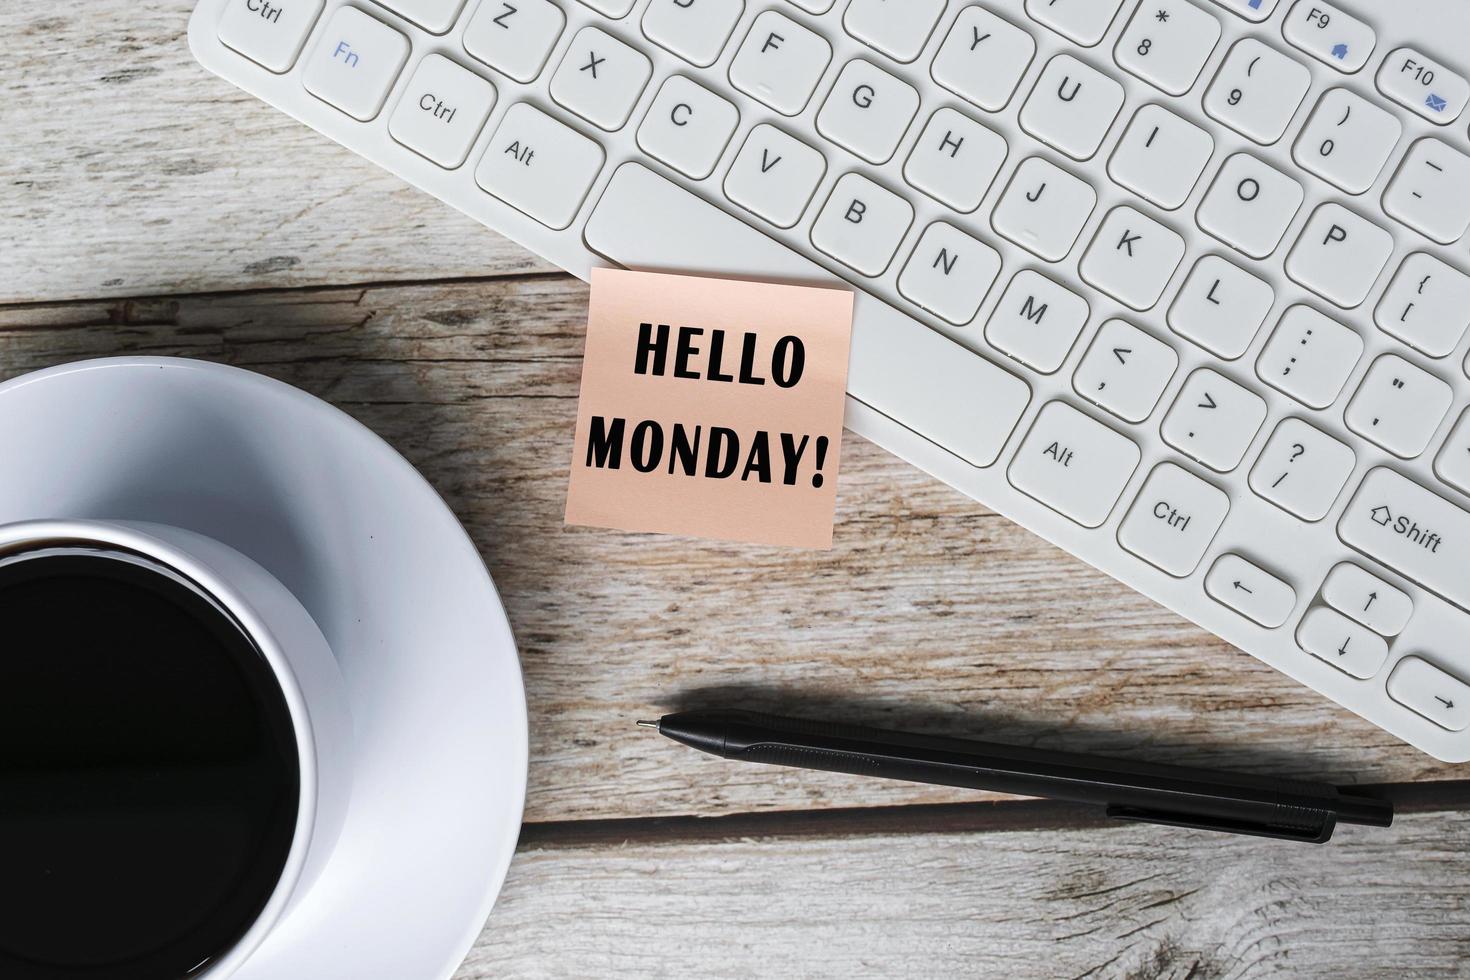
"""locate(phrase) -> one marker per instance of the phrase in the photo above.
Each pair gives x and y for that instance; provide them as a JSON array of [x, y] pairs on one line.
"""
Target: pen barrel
[[1130, 790]]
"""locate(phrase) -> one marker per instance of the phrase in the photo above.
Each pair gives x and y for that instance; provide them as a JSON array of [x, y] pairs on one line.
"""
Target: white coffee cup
[[291, 644]]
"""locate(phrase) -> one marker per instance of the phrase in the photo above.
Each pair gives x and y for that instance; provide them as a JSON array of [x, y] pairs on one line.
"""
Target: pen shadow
[[1138, 745]]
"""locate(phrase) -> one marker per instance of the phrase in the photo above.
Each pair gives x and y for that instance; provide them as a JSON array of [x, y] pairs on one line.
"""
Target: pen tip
[[647, 724]]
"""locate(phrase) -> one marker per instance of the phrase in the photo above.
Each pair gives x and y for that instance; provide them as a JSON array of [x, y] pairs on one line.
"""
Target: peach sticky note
[[711, 407]]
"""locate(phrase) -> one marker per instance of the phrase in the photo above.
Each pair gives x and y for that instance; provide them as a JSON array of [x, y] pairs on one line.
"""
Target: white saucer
[[391, 578]]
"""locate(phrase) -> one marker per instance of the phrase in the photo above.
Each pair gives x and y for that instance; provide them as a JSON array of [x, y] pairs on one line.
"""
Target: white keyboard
[[1179, 286]]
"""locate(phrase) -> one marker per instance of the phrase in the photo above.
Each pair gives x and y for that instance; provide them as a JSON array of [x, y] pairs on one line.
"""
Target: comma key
[[1418, 534]]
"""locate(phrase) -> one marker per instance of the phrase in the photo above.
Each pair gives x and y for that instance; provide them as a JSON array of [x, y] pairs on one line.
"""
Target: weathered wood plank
[[930, 613], [1136, 902], [128, 168]]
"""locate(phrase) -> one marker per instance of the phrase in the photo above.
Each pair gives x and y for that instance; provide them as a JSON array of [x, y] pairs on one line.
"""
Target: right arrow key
[[1425, 689]]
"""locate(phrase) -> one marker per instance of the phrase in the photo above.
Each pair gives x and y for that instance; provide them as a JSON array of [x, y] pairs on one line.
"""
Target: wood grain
[[1135, 902], [128, 168], [930, 613]]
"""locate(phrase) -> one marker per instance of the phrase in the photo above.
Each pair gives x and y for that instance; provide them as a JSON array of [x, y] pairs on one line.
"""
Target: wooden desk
[[149, 208]]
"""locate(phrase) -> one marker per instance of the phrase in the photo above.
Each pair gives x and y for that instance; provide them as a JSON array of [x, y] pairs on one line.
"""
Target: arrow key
[[1368, 599], [1422, 687], [1329, 635], [1125, 371], [1250, 590]]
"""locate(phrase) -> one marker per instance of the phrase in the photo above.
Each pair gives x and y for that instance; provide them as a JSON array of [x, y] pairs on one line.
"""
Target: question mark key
[[1307, 491]]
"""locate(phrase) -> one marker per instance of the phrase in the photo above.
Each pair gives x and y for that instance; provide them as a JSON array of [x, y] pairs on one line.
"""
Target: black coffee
[[149, 780]]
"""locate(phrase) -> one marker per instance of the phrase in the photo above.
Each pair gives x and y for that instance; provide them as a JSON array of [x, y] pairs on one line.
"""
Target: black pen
[[1174, 795]]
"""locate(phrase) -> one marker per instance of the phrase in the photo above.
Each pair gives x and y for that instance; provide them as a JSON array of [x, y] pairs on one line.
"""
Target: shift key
[[1418, 534]]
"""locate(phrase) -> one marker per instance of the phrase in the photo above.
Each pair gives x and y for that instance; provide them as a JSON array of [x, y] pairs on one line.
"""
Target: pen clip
[[1319, 833]]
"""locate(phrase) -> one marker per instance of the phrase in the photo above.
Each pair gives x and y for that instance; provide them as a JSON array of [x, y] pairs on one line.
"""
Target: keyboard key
[[1302, 469], [1250, 590], [955, 160], [813, 6], [1329, 635], [1072, 107], [1367, 598], [1257, 91], [1132, 258], [1161, 156], [1423, 85], [442, 111], [775, 175], [1250, 205], [1431, 191], [514, 39], [434, 16], [1418, 534], [1167, 44], [1399, 406], [1036, 321], [611, 8], [1427, 305], [1221, 307], [1425, 689], [899, 367], [695, 32], [1174, 519], [600, 78], [688, 127], [355, 63], [1339, 255], [269, 34], [862, 224], [1309, 357], [1043, 209], [1330, 34], [539, 165], [1125, 371], [983, 58], [1082, 21], [780, 62], [1347, 141], [899, 30], [1453, 463], [1251, 10], [1074, 464], [1213, 420], [949, 273], [868, 111]]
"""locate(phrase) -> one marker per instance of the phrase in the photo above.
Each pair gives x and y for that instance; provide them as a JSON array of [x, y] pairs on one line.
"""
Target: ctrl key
[[539, 165], [269, 32], [1425, 689]]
